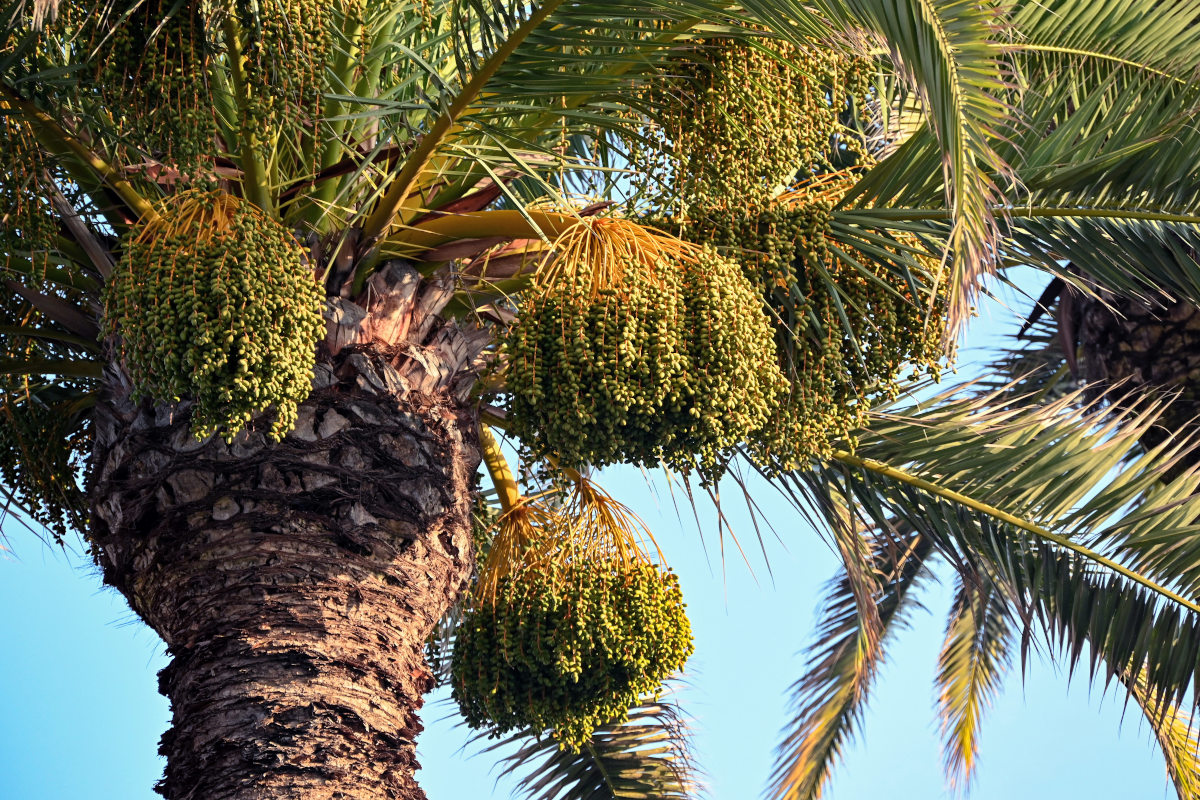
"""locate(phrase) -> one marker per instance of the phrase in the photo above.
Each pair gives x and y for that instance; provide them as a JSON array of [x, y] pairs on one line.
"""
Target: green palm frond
[[489, 78], [1100, 145], [1115, 31], [1134, 253], [1128, 253], [1159, 537], [950, 52], [1066, 477], [647, 756], [1097, 88], [1176, 734], [504, 46], [829, 699], [1063, 589], [1063, 450], [972, 663]]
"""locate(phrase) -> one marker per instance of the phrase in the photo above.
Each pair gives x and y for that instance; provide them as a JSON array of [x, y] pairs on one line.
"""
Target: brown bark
[[1147, 348], [295, 583]]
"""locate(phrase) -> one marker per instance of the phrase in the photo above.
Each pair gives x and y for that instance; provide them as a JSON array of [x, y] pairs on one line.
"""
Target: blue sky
[[80, 716]]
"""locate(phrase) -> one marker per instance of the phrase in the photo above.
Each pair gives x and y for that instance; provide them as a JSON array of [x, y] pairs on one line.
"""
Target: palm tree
[[374, 183], [1023, 460]]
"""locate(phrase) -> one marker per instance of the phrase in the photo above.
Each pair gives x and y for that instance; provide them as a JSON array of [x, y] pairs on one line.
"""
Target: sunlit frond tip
[[974, 658]]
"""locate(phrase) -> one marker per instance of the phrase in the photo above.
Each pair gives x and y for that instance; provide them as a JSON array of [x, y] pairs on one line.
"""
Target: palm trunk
[[1147, 349], [294, 583]]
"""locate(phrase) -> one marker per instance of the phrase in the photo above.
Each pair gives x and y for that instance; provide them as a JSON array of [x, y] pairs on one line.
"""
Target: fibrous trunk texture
[[1146, 349], [294, 583]]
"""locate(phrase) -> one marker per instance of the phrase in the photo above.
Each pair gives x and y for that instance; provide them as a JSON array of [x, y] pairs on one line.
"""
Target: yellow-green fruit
[[151, 74], [740, 121], [214, 301], [569, 648], [848, 332], [673, 365], [734, 380]]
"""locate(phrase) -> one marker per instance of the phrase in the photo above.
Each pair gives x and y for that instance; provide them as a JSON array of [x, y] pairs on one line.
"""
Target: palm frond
[[950, 51], [1114, 31], [45, 438], [828, 700], [1137, 255], [82, 163], [973, 660], [1176, 734], [987, 484], [401, 186], [647, 756]]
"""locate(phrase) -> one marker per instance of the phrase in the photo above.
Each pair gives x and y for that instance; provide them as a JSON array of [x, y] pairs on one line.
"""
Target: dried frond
[[43, 11]]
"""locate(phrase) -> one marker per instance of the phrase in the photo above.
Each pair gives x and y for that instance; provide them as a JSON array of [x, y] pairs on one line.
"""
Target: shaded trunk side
[[1148, 348], [294, 583]]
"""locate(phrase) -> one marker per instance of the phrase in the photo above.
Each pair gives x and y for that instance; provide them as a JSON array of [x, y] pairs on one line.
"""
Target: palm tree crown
[[276, 270]]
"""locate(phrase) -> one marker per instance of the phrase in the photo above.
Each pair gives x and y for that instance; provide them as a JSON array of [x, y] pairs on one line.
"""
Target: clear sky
[[80, 716]]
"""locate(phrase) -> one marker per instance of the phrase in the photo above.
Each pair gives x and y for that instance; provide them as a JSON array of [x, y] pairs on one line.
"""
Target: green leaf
[[646, 756], [1011, 491], [972, 662], [828, 700]]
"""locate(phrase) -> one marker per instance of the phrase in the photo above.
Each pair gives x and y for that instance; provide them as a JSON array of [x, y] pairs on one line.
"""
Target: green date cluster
[[215, 302], [152, 71], [742, 121], [569, 647], [674, 365], [287, 44], [848, 334], [159, 61], [28, 232]]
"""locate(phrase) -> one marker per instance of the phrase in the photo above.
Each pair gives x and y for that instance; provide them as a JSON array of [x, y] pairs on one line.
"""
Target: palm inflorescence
[[684, 233]]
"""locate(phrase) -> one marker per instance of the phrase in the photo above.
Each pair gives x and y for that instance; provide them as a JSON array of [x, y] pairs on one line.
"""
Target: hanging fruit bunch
[[158, 59], [849, 331], [747, 121], [570, 624], [214, 301], [286, 45], [568, 648], [153, 72], [635, 347], [28, 235]]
